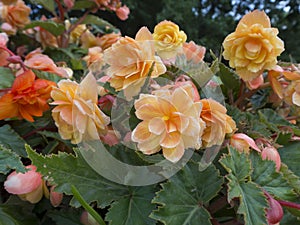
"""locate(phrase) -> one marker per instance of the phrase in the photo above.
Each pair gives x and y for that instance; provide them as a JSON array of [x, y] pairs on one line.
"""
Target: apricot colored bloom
[[243, 142], [168, 39], [218, 123], [28, 186], [27, 98], [271, 153], [76, 113], [37, 60], [170, 121], [88, 40], [76, 33], [130, 62], [107, 40], [17, 15], [3, 53], [254, 46], [255, 83], [94, 59], [194, 52], [123, 12]]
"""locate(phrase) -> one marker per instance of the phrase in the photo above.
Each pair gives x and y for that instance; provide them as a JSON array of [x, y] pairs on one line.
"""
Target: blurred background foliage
[[208, 22]]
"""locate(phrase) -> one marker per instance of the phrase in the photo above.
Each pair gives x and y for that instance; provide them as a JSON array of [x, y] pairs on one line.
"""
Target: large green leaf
[[290, 155], [70, 216], [182, 198], [10, 139], [293, 180], [264, 174], [230, 80], [133, 208], [10, 160], [252, 200], [7, 77], [54, 28], [47, 4]]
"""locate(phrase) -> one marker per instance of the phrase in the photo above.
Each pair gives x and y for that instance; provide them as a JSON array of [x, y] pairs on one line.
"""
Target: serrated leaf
[[290, 155], [66, 169], [253, 203], [134, 208], [10, 139], [264, 174], [195, 188], [54, 28], [65, 217], [9, 160], [229, 78], [16, 215], [7, 77], [83, 5], [292, 179], [47, 4]]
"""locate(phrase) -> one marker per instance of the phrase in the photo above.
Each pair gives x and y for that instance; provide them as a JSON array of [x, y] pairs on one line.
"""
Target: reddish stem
[[289, 204], [61, 10]]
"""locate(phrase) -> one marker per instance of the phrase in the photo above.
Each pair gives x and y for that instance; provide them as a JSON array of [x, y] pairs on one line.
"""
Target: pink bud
[[271, 153], [14, 59], [274, 212], [111, 138], [255, 83], [55, 197], [123, 12], [69, 3], [243, 142], [87, 219]]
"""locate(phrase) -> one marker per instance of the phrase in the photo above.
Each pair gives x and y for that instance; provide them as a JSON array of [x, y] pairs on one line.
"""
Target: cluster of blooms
[[173, 117]]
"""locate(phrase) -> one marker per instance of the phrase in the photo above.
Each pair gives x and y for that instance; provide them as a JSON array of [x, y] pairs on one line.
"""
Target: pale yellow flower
[[218, 123], [254, 46], [130, 61], [76, 114], [168, 39], [170, 121]]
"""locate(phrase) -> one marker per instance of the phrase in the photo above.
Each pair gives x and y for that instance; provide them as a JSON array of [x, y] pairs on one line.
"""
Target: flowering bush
[[101, 128]]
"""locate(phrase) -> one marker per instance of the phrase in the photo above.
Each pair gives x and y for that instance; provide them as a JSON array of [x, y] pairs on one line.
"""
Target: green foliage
[[6, 78], [290, 155], [253, 203], [65, 217], [54, 28], [47, 4], [10, 160], [183, 198]]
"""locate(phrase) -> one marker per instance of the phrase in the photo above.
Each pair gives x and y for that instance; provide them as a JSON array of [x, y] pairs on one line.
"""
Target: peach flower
[[37, 60], [76, 113], [194, 52], [28, 186], [218, 123], [243, 142], [123, 12], [254, 46], [107, 40], [45, 37], [271, 153], [16, 15], [130, 62], [170, 121], [27, 98], [88, 40], [255, 83], [168, 39], [94, 59], [8, 29], [3, 53]]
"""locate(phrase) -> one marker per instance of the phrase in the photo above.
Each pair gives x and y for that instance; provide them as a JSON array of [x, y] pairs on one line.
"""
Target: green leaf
[[230, 80], [10, 139], [70, 216], [292, 179], [134, 208], [182, 198], [9, 160], [83, 5], [253, 203], [7, 77], [264, 174], [47, 4], [65, 170], [290, 155], [54, 28]]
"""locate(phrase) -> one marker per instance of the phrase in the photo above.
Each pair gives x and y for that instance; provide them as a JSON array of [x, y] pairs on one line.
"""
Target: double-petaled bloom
[[76, 113], [27, 97], [170, 121], [131, 61], [254, 46]]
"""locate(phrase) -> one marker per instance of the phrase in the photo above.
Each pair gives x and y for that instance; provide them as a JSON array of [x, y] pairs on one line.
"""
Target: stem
[[87, 207], [6, 49], [61, 10], [289, 204]]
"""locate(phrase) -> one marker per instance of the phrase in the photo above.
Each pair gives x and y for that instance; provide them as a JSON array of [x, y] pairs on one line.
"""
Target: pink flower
[[28, 186], [271, 153], [193, 51], [255, 83], [111, 137], [123, 12], [55, 197], [3, 53], [69, 3], [243, 142]]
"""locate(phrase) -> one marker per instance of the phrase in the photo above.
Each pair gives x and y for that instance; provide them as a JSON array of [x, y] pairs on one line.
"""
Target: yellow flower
[[218, 123], [168, 38], [130, 61], [76, 114], [170, 121], [254, 46]]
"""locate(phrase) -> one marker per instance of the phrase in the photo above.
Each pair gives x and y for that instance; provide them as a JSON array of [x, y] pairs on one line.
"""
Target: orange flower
[[243, 142], [107, 40], [193, 51], [168, 38], [130, 62], [218, 123], [76, 114], [254, 46], [27, 97], [16, 15], [37, 60], [170, 121]]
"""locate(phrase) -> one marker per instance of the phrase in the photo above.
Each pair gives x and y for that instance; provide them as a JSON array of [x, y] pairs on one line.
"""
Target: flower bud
[[274, 212]]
